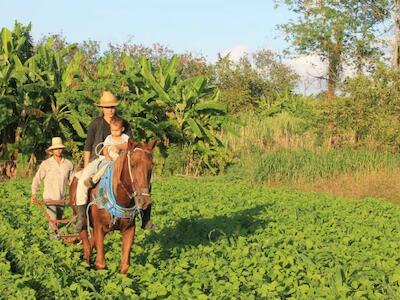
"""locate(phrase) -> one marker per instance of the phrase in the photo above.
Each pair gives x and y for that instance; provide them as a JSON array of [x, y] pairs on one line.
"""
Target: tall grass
[[381, 183], [284, 149], [265, 133], [287, 166]]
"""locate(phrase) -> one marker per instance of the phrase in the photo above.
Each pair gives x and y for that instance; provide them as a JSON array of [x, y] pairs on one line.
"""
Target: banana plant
[[55, 78], [181, 111], [34, 89], [15, 48], [45, 92]]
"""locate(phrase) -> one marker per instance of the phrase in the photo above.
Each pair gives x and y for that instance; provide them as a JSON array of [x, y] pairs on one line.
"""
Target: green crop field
[[217, 240]]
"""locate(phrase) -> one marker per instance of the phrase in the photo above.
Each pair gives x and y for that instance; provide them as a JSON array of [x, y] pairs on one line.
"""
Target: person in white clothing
[[56, 172]]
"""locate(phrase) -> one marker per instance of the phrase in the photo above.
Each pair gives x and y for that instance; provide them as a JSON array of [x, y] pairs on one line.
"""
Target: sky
[[205, 27]]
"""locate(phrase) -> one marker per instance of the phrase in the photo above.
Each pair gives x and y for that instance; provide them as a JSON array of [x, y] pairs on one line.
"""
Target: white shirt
[[110, 142], [56, 178]]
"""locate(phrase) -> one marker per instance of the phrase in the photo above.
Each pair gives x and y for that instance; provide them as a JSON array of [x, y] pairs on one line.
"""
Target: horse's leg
[[92, 242], [86, 245], [98, 235], [128, 235]]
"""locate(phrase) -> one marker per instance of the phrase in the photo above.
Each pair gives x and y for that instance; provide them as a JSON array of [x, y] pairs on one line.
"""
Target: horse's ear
[[131, 144], [150, 146]]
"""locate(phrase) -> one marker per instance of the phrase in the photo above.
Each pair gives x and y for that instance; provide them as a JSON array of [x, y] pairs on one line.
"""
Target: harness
[[105, 197]]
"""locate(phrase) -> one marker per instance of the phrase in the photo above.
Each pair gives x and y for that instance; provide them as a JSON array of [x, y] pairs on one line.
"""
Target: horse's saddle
[[105, 197]]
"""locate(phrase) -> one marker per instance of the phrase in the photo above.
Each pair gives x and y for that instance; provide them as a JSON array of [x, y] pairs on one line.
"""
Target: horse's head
[[135, 173]]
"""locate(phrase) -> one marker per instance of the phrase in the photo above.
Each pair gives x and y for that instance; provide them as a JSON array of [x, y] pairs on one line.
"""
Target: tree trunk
[[31, 165], [18, 138], [396, 36], [331, 84], [334, 62], [333, 73]]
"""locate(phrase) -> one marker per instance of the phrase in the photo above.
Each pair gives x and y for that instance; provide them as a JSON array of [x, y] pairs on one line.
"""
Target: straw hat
[[56, 143], [107, 99]]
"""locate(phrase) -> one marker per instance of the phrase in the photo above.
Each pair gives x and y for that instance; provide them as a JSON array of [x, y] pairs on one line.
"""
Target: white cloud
[[236, 52], [312, 72], [311, 69]]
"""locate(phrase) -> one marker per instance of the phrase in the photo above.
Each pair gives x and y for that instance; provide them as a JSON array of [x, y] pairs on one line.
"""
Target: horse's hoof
[[100, 266], [150, 226]]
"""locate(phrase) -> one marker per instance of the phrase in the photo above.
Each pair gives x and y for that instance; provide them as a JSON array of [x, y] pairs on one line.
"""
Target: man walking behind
[[57, 173]]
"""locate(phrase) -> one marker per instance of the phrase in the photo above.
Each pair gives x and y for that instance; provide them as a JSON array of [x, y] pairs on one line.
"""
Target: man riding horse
[[98, 130]]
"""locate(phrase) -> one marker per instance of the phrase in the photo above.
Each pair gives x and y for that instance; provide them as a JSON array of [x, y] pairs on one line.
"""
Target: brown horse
[[131, 186]]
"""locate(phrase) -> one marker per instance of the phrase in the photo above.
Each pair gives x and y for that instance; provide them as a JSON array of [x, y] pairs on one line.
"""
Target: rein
[[134, 193], [111, 202]]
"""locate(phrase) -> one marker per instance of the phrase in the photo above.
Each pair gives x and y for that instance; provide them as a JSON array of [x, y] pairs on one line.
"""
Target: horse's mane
[[119, 163]]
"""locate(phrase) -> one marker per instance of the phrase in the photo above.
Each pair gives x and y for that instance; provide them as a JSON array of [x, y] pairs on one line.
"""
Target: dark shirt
[[98, 130]]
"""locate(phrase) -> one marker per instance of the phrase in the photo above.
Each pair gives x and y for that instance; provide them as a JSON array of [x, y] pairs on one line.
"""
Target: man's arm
[[36, 181], [87, 150], [71, 173]]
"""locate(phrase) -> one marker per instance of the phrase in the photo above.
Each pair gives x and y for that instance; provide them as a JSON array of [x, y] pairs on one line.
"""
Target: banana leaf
[[210, 105], [195, 127], [150, 80], [74, 119]]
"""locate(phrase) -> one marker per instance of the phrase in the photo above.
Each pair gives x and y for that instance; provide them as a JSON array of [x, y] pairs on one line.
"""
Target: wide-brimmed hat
[[107, 99], [56, 143]]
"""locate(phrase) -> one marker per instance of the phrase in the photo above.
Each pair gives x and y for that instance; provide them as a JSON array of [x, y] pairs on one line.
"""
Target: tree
[[339, 32], [395, 11], [252, 79]]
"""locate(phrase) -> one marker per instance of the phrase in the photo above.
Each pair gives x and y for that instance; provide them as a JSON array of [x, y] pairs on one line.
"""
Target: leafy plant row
[[217, 240]]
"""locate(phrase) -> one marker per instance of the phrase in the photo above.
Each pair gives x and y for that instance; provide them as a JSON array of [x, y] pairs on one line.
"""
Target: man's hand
[[33, 199]]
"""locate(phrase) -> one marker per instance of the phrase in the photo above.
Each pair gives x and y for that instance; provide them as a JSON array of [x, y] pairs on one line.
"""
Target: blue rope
[[106, 191]]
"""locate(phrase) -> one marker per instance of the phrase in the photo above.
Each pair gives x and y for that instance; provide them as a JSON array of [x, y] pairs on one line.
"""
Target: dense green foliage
[[193, 108], [218, 240], [309, 165], [252, 81], [370, 109], [50, 90]]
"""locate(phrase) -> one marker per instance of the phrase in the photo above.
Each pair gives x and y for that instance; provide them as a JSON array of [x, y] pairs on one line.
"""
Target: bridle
[[134, 193]]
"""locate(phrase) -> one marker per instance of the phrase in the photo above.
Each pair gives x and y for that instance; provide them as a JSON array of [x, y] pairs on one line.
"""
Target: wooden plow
[[62, 230]]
